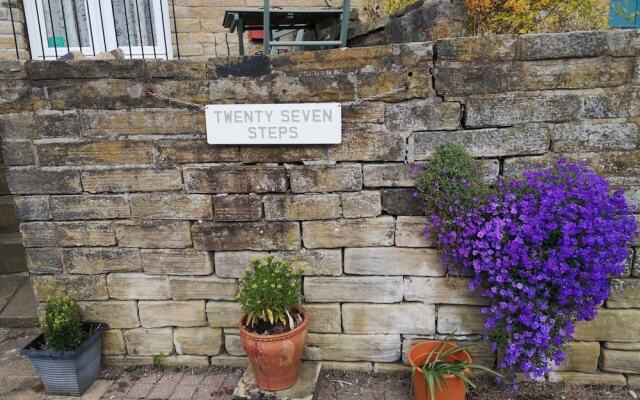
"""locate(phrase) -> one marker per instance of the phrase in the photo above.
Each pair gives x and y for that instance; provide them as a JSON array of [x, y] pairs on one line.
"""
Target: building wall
[[7, 41], [126, 207]]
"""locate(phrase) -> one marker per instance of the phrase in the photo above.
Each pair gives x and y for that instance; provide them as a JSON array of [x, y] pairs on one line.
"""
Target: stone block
[[198, 341], [116, 314], [149, 121], [40, 125], [326, 178], [113, 343], [364, 204], [38, 181], [44, 260], [187, 361], [156, 314], [390, 368], [389, 175], [246, 236], [233, 345], [303, 389], [610, 325], [97, 69], [131, 180], [463, 320], [171, 206], [225, 360], [622, 346], [39, 234], [324, 318], [367, 112], [527, 140], [101, 260], [507, 110], [423, 115], [149, 342], [185, 151], [18, 153], [298, 153], [580, 357], [138, 286], [441, 291], [573, 138], [235, 179], [355, 58], [31, 208], [314, 262], [405, 318], [83, 207], [359, 144], [410, 232], [237, 208], [620, 361], [624, 293], [301, 207], [71, 234], [353, 289], [341, 347], [562, 45], [612, 103], [624, 42], [478, 48], [223, 314], [318, 87], [81, 287], [92, 152], [392, 261], [364, 232], [580, 378], [176, 262], [402, 202], [205, 287], [154, 234]]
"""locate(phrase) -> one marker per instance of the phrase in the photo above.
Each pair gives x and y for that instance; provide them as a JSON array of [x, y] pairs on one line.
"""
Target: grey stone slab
[[304, 388]]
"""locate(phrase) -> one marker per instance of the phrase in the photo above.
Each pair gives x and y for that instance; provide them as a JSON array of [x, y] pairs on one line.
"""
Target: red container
[[256, 36], [453, 388], [275, 358]]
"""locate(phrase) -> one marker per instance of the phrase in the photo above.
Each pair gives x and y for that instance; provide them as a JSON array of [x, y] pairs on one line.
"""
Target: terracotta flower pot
[[275, 358], [452, 389]]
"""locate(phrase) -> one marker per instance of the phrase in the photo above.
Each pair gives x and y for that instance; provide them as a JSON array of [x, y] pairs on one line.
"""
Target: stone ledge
[[304, 388]]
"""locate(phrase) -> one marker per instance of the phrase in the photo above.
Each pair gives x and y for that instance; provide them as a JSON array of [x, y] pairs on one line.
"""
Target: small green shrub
[[61, 324], [379, 8], [270, 290], [451, 182]]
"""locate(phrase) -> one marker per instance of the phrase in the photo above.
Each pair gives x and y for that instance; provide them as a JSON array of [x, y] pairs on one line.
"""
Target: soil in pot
[[275, 358], [452, 389]]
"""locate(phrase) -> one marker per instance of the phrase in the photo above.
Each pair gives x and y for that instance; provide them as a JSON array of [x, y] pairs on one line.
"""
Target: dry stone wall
[[126, 207]]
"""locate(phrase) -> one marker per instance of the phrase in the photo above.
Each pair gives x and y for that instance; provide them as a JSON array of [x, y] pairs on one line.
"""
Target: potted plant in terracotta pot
[[67, 355], [273, 329], [441, 370]]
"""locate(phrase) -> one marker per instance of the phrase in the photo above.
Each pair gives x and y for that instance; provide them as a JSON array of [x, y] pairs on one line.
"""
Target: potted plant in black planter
[[67, 354]]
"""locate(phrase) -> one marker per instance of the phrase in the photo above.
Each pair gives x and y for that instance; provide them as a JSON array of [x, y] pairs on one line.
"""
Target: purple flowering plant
[[541, 249]]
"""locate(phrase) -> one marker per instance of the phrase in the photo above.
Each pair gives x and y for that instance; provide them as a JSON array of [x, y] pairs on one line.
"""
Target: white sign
[[309, 123]]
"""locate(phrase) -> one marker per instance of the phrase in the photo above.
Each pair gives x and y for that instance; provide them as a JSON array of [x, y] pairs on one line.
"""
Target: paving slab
[[304, 388], [21, 311], [9, 285]]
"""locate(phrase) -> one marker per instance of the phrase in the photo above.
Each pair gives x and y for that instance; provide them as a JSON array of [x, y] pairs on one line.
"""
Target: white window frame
[[101, 32]]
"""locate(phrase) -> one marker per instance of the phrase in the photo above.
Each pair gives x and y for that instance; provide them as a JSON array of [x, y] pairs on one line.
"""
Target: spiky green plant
[[437, 367], [270, 289]]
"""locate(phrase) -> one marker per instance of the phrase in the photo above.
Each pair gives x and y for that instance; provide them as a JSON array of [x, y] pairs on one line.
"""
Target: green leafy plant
[[450, 182], [158, 360], [444, 360], [270, 290], [61, 324]]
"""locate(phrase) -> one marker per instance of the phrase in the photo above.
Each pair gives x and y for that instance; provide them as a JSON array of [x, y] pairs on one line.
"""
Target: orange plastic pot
[[452, 389], [275, 358]]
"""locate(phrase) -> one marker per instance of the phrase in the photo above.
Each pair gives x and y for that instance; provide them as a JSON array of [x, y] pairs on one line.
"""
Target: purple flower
[[541, 251]]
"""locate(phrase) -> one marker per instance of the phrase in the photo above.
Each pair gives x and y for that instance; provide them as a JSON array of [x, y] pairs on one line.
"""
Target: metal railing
[[53, 28]]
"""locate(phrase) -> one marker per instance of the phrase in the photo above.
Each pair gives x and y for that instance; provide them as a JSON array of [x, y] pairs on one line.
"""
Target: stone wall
[[7, 41], [126, 206]]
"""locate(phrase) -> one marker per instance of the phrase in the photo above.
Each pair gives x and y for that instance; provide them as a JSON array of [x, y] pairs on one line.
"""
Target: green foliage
[[451, 182], [535, 16], [441, 362], [269, 290], [158, 360], [379, 8], [61, 324]]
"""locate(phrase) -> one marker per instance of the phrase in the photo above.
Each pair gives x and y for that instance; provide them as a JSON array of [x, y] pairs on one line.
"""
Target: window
[[139, 27]]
